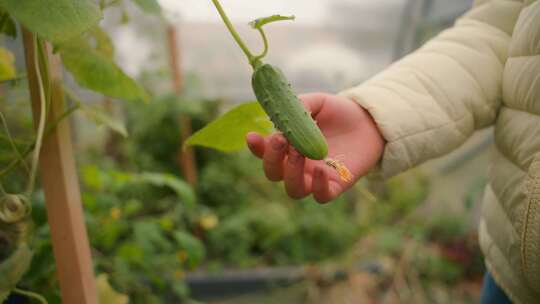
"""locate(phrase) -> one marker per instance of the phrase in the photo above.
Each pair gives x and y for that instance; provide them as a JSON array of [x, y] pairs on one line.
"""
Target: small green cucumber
[[285, 110], [274, 93]]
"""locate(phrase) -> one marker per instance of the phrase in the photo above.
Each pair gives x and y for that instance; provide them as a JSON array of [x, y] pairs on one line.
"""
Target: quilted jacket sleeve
[[431, 101]]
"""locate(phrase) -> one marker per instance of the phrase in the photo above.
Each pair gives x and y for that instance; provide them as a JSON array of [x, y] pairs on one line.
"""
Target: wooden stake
[[186, 157], [60, 184]]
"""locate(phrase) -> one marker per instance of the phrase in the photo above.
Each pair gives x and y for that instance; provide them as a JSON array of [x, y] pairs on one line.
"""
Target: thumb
[[314, 102]]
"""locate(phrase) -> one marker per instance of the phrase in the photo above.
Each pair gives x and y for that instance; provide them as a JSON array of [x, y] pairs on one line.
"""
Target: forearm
[[431, 101]]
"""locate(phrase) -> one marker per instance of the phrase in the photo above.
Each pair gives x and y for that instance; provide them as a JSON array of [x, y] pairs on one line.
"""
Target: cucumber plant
[[276, 97], [15, 208], [71, 28]]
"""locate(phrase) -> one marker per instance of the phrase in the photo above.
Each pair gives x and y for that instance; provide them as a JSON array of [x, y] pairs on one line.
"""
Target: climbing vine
[[71, 29]]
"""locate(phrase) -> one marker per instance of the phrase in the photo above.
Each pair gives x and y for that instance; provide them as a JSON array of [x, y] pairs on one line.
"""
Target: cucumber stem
[[253, 61]]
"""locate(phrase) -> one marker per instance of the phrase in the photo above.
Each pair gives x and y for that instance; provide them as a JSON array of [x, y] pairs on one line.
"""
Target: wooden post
[[186, 157], [60, 184]]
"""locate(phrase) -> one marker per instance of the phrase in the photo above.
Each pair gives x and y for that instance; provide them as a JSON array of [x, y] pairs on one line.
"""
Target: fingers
[[324, 190], [294, 177], [256, 144], [274, 155], [273, 150]]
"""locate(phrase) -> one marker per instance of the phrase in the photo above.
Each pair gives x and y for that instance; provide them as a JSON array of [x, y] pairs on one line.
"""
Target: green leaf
[[99, 180], [260, 22], [13, 268], [7, 67], [149, 6], [192, 246], [101, 118], [96, 71], [130, 252], [107, 294], [7, 25], [54, 20], [104, 43], [149, 237], [182, 189], [228, 132]]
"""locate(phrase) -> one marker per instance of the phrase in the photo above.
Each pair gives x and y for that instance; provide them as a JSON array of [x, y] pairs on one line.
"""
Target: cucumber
[[275, 95], [285, 110]]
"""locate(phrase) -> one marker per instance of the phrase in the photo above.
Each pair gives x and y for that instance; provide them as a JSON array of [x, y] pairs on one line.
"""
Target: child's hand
[[352, 136]]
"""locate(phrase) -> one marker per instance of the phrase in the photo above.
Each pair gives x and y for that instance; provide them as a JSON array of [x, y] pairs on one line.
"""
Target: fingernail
[[278, 143]]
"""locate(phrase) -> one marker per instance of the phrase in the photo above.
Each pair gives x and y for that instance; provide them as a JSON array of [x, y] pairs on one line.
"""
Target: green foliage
[[436, 267], [13, 269], [7, 25], [276, 233], [94, 69], [155, 130], [117, 181], [390, 239], [54, 20], [106, 293], [87, 52], [7, 67], [182, 189], [190, 248], [228, 132], [134, 223], [267, 227]]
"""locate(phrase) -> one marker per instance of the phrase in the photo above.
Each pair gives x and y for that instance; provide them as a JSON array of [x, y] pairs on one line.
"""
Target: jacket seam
[[487, 103], [467, 114], [508, 157], [425, 83], [504, 212], [502, 150], [530, 91]]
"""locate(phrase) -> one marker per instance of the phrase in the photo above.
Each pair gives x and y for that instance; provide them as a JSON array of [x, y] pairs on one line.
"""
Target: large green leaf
[[228, 132], [7, 67], [149, 6], [94, 70], [54, 20]]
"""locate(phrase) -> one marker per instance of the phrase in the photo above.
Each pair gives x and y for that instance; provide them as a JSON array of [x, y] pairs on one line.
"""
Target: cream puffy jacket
[[484, 71]]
